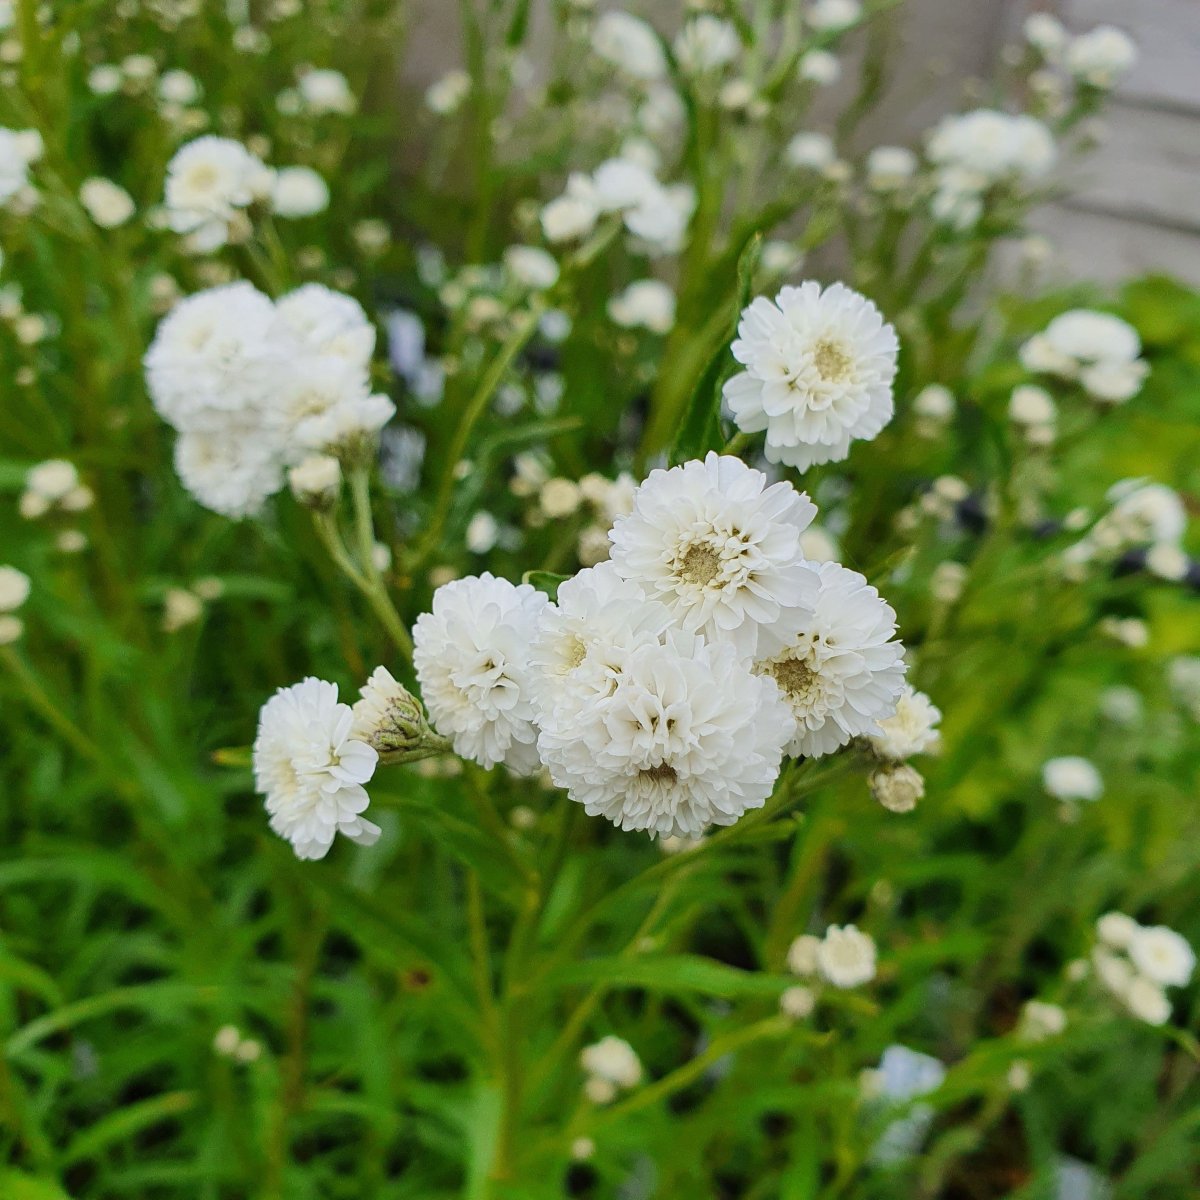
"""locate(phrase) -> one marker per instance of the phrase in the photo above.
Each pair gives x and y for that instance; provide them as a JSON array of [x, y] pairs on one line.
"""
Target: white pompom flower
[[678, 737], [312, 770], [208, 182], [472, 658], [911, 730], [1071, 777], [846, 956], [819, 370], [1162, 955], [839, 668], [720, 547]]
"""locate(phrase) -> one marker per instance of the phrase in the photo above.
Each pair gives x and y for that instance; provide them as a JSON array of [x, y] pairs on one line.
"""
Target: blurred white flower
[[178, 87], [18, 149], [810, 151], [630, 45], [890, 167], [846, 956], [705, 43], [209, 181], [311, 770], [614, 1060], [1040, 1020], [326, 91], [1146, 1001], [298, 192], [911, 730], [1162, 955], [803, 955], [993, 146], [14, 589], [1101, 56], [471, 655], [819, 67], [445, 95], [647, 303], [797, 1002], [819, 370], [1117, 930], [1045, 33], [833, 15], [316, 480], [531, 267], [1072, 778], [107, 203], [897, 786]]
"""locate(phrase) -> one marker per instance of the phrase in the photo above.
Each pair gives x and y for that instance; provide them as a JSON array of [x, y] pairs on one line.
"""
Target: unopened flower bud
[[316, 481], [389, 718], [898, 788]]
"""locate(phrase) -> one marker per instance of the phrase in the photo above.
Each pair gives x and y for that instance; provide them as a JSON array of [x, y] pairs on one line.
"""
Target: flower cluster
[[663, 688], [1136, 963], [911, 731], [977, 151], [1096, 59], [1100, 352], [844, 957], [212, 181], [254, 387], [656, 214]]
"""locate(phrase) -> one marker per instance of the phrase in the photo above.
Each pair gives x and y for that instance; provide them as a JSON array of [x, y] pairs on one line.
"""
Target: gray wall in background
[[1134, 203]]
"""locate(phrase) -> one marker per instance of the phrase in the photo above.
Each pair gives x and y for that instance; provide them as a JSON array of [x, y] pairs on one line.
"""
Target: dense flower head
[[254, 387], [1072, 778], [471, 653], [1100, 351], [819, 370], [911, 730], [846, 956], [671, 737], [720, 547], [838, 667], [992, 145], [311, 769], [209, 181]]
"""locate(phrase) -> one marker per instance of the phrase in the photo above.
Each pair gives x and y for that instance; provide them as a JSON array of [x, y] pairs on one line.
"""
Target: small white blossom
[[1072, 778], [705, 43], [846, 956], [1040, 1020], [14, 589], [833, 15], [819, 67], [209, 182], [630, 45], [890, 168], [1101, 56], [647, 303], [446, 95], [326, 91], [107, 203], [298, 192], [810, 152], [911, 730], [311, 770], [613, 1060], [803, 955], [1162, 955], [531, 266]]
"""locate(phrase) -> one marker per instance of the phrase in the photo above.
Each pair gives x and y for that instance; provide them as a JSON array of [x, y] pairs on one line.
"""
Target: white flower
[[17, 150], [1101, 56], [1145, 512], [913, 728], [846, 956], [104, 79], [1072, 778], [993, 145], [890, 168], [445, 95], [1046, 33], [311, 770], [705, 43], [621, 183], [1146, 1001], [52, 480], [803, 955], [648, 303], [1162, 956], [897, 786], [531, 266], [326, 91], [233, 473], [107, 203], [1117, 930], [669, 738], [934, 402], [471, 655], [614, 1060], [329, 323], [839, 668], [819, 67], [810, 151], [1168, 562], [630, 45], [833, 15], [1040, 1020], [178, 87], [11, 629], [14, 589], [209, 181], [1031, 405], [298, 192], [797, 1002], [1114, 382], [719, 547], [819, 370], [1099, 350], [316, 480], [573, 214], [597, 619]]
